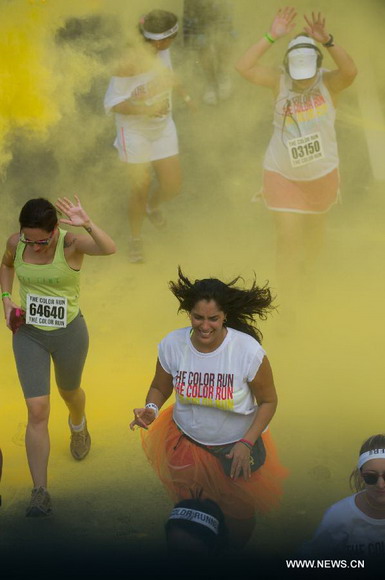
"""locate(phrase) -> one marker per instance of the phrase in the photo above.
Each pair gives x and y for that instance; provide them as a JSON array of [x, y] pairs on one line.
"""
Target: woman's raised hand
[[75, 213], [316, 27], [283, 22]]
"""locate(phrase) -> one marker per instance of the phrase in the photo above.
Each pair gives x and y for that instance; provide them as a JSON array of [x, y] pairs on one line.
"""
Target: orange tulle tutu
[[188, 470]]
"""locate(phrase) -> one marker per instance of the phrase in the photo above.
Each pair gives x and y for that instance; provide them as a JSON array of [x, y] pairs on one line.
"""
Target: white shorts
[[136, 147]]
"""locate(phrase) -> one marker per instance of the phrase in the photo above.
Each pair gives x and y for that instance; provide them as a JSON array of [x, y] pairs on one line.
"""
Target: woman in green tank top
[[49, 325]]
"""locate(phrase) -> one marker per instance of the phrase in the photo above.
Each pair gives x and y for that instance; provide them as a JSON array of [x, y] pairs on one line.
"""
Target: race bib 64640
[[46, 311]]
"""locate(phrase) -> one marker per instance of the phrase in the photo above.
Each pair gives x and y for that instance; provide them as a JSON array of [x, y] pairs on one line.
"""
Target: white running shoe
[[210, 97]]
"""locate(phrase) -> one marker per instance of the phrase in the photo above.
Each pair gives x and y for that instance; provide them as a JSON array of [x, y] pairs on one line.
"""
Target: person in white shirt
[[355, 526], [214, 441], [301, 179], [139, 94]]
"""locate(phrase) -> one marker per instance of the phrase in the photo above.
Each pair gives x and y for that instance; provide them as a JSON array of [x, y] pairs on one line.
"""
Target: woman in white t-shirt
[[139, 94], [355, 526], [210, 441], [301, 179]]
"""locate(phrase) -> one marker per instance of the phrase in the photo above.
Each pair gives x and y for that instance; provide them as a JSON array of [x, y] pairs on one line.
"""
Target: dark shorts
[[33, 349]]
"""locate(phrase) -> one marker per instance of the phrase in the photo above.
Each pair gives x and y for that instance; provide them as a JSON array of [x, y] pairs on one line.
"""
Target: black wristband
[[330, 42]]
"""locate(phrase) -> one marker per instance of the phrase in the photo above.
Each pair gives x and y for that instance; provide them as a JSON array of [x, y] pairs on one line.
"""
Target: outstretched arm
[[97, 242], [7, 274], [340, 78], [249, 65], [160, 390]]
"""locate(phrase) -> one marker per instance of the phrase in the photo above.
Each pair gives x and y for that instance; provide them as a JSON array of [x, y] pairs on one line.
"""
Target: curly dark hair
[[239, 305], [374, 442], [38, 213]]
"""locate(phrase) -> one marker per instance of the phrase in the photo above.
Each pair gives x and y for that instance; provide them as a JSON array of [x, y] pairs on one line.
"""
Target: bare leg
[[208, 63], [314, 234], [300, 238], [140, 180], [37, 439], [75, 401], [168, 172], [290, 243], [223, 50]]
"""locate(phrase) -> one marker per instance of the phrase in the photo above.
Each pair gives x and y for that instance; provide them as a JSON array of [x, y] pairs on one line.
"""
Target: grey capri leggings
[[33, 349]]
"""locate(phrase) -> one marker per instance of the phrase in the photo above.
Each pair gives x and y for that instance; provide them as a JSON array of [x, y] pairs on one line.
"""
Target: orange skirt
[[316, 196], [187, 470]]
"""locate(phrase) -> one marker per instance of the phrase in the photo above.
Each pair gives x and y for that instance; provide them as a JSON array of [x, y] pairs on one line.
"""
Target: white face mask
[[302, 63]]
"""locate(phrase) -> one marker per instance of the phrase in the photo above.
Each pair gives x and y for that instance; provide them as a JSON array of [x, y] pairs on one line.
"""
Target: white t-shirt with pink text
[[214, 404]]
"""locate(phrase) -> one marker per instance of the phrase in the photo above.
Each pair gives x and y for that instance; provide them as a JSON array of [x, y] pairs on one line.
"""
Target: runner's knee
[[38, 411]]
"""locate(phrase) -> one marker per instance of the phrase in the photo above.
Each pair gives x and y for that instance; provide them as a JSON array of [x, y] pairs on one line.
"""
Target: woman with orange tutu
[[214, 441]]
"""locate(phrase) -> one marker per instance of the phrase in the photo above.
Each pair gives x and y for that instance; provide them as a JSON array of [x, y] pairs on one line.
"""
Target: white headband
[[160, 35], [195, 516], [372, 454]]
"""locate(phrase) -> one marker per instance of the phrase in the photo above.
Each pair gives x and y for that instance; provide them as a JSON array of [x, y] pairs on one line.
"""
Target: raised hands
[[75, 213], [316, 27], [283, 22]]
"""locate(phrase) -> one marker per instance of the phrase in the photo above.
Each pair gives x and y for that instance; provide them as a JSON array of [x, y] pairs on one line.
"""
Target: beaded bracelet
[[154, 407], [5, 295]]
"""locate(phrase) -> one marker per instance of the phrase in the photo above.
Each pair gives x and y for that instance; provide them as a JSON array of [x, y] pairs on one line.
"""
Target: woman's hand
[[316, 28], [8, 307], [283, 22], [143, 418], [240, 454], [75, 213]]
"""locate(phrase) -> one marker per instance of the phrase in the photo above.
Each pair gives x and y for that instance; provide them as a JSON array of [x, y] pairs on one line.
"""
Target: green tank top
[[49, 293]]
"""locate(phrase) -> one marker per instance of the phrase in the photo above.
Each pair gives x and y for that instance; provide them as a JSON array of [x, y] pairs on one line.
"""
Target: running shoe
[[210, 97], [157, 218], [80, 442], [135, 250], [40, 505]]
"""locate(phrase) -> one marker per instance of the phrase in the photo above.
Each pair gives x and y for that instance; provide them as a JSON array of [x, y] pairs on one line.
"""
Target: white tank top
[[303, 146]]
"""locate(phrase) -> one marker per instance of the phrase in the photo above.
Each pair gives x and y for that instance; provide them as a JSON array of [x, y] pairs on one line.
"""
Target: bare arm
[[340, 78], [130, 108], [249, 65], [346, 72], [154, 106], [160, 390], [7, 274], [263, 389], [97, 242]]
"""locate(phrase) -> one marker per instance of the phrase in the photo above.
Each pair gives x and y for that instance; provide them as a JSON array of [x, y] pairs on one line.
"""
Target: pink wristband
[[247, 442]]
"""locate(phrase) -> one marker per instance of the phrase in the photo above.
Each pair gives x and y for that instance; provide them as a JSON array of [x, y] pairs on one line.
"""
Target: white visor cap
[[302, 62]]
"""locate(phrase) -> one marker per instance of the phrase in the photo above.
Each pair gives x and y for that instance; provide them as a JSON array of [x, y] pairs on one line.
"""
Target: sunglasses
[[44, 242], [372, 478]]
